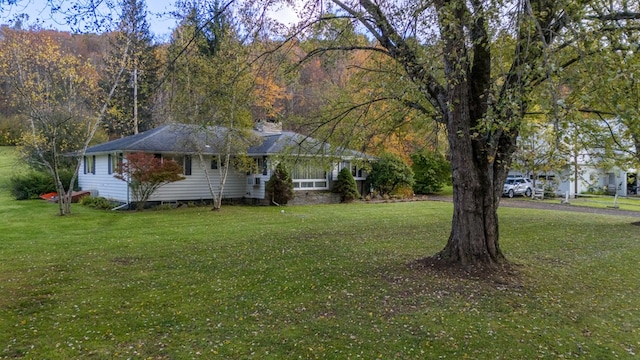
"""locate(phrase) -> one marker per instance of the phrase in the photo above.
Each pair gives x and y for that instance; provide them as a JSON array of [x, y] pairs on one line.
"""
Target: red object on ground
[[52, 196], [75, 196]]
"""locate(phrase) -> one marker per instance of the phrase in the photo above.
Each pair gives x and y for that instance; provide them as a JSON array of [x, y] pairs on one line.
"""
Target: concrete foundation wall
[[314, 198]]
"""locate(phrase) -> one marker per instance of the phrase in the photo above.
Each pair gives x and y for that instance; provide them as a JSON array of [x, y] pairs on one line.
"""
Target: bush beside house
[[346, 186], [279, 188], [35, 183], [431, 172], [389, 174]]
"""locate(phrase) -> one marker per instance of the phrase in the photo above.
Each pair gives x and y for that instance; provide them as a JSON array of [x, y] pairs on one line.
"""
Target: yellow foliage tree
[[58, 94]]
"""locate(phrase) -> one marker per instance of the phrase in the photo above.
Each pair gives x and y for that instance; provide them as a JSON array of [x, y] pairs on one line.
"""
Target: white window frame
[[358, 172], [309, 182]]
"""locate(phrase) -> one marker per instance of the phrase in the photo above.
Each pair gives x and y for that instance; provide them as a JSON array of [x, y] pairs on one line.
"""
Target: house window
[[182, 160], [309, 176], [356, 171], [187, 164], [114, 162], [214, 162], [90, 164], [261, 165]]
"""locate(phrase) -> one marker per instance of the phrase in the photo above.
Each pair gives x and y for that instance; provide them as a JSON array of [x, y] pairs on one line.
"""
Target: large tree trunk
[[477, 187], [474, 231], [477, 181]]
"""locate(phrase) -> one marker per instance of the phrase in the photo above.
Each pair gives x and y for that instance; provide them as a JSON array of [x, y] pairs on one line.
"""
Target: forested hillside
[[291, 88]]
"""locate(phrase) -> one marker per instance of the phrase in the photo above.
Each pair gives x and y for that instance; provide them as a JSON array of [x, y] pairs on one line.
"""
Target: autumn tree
[[146, 173], [210, 85], [58, 94], [477, 88], [389, 115]]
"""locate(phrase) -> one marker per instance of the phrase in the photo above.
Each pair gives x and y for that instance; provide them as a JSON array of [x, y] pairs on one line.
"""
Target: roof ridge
[[153, 132]]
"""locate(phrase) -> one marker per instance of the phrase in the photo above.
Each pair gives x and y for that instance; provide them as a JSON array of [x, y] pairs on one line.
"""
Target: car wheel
[[510, 193], [527, 193]]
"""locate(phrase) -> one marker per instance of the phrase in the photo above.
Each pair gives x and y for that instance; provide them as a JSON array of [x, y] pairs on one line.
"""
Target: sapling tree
[[145, 173]]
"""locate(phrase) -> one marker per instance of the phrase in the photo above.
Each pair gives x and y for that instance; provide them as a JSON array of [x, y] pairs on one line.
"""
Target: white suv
[[517, 186]]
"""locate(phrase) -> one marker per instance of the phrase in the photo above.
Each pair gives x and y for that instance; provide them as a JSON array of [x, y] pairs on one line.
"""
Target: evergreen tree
[[130, 110], [346, 186], [280, 186]]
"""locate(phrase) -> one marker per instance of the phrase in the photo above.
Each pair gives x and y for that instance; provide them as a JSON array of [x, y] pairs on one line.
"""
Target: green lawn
[[328, 282], [631, 203]]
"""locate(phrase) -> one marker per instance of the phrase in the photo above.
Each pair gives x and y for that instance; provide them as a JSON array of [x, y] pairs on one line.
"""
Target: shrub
[[431, 172], [403, 192], [96, 202], [146, 173], [346, 186], [389, 173], [35, 183], [279, 188]]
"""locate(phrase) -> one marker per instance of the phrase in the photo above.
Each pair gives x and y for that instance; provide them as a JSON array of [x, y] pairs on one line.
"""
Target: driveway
[[533, 204]]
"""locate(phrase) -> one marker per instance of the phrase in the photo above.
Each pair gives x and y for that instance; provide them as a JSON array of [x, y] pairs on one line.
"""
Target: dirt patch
[[125, 260], [427, 284], [501, 276]]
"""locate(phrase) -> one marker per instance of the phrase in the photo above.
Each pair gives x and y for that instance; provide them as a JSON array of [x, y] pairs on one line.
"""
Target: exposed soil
[[504, 275]]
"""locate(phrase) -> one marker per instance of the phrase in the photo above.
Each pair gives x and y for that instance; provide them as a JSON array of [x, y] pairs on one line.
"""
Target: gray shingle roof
[[182, 138], [174, 138]]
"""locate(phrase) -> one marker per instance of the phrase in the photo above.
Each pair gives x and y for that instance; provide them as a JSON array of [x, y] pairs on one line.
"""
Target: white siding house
[[586, 173], [184, 144]]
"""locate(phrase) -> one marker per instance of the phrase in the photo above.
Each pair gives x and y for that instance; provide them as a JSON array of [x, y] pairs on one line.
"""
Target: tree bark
[[478, 178], [477, 181], [476, 195]]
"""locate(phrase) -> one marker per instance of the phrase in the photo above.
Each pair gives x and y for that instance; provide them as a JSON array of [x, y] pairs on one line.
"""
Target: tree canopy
[[476, 67]]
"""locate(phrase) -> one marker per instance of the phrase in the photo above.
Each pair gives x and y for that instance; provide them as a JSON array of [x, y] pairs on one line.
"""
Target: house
[[586, 172], [579, 162], [313, 165]]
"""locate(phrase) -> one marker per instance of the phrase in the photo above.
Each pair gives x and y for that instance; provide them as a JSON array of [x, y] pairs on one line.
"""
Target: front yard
[[330, 281]]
